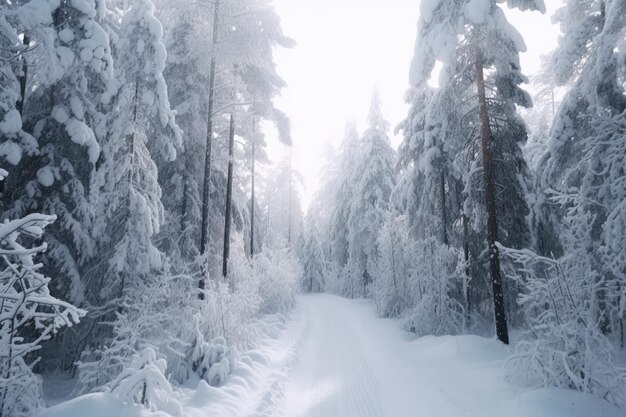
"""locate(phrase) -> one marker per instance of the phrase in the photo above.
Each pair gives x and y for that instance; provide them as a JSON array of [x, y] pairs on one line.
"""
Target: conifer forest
[[340, 208]]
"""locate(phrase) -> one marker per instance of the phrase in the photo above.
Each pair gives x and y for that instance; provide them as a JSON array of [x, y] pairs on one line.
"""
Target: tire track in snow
[[333, 375], [352, 364]]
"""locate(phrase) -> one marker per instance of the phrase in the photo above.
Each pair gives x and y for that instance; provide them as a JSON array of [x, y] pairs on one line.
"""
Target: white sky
[[345, 49]]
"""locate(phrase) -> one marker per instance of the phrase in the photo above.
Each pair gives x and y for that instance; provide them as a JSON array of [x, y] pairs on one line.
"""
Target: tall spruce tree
[[374, 179], [141, 129]]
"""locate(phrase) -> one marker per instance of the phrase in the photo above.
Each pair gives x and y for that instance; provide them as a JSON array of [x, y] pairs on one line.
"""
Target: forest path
[[353, 364]]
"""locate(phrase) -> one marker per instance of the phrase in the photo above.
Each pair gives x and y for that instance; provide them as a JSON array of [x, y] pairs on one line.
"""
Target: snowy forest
[[158, 257]]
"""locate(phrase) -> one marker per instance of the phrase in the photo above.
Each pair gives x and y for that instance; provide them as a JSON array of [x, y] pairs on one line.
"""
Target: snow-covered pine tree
[[420, 279], [62, 76], [391, 292], [186, 75], [341, 191], [485, 40], [544, 216], [285, 209], [15, 141], [62, 112], [141, 128], [312, 258], [375, 178], [428, 190], [126, 193]]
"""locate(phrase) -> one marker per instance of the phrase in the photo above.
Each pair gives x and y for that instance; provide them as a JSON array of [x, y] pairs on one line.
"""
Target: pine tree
[[15, 141], [186, 80], [341, 195], [64, 115], [487, 41], [140, 129], [375, 178], [312, 258]]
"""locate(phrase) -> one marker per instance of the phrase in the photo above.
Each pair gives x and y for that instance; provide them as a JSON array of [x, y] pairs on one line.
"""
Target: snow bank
[[98, 405], [469, 367], [256, 387]]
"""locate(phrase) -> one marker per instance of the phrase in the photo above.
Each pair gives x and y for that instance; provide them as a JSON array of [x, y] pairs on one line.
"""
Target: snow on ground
[[334, 358]]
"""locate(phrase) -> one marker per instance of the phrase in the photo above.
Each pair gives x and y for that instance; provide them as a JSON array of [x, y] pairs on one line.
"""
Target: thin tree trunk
[[252, 196], [466, 287], [23, 80], [490, 203], [229, 197], [183, 206], [444, 215], [269, 206], [289, 208], [207, 159]]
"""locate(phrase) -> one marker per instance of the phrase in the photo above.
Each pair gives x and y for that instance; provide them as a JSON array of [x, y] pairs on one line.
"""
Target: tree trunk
[[444, 215], [23, 79], [466, 255], [289, 208], [490, 203], [207, 159], [252, 196], [183, 207], [229, 198]]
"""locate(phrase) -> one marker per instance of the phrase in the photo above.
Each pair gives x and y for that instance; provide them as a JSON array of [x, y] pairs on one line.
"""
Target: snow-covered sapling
[[29, 315], [144, 382]]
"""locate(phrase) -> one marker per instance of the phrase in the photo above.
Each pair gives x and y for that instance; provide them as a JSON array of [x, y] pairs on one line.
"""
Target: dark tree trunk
[[229, 198], [444, 215], [466, 256], [207, 159], [23, 80], [490, 203], [183, 207]]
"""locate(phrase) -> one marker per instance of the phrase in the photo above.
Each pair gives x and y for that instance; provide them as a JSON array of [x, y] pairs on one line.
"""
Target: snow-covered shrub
[[264, 285], [278, 272], [144, 382], [564, 345], [212, 361], [149, 316], [29, 315], [434, 284], [235, 301]]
